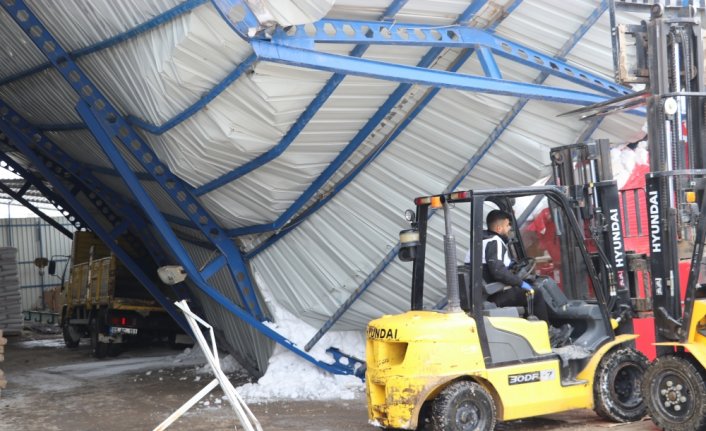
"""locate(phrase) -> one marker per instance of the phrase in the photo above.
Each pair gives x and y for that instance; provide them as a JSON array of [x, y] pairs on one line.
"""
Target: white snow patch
[[72, 375], [290, 376], [49, 342]]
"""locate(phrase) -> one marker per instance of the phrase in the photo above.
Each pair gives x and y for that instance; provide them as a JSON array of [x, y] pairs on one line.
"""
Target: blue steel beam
[[487, 62], [440, 79], [358, 292], [158, 20], [403, 34], [196, 276], [238, 16], [473, 161], [381, 113], [23, 144], [109, 203], [392, 10], [18, 196], [298, 125], [11, 165], [414, 75], [115, 126], [198, 105]]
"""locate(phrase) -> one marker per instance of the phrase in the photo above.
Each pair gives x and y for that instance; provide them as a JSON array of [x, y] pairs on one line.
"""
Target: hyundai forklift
[[472, 364], [670, 61]]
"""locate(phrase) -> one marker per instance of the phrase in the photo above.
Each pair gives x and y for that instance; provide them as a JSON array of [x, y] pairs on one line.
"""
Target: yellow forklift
[[472, 364]]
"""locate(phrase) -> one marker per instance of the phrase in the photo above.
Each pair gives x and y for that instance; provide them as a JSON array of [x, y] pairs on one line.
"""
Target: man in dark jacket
[[496, 268]]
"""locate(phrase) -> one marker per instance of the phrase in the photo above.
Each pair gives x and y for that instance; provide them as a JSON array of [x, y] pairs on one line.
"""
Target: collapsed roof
[[271, 147]]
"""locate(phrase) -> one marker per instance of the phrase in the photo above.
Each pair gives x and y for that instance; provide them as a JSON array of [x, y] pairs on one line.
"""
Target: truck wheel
[[99, 350], [616, 388], [72, 336], [463, 406], [675, 394]]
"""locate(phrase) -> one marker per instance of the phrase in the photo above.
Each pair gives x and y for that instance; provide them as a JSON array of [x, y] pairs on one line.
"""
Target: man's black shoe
[[558, 337]]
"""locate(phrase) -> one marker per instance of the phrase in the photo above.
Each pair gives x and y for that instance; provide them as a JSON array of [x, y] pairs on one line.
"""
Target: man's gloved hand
[[525, 285]]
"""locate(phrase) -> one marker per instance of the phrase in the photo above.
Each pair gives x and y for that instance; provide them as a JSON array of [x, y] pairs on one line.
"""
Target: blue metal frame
[[487, 62], [421, 105], [414, 75], [298, 125], [231, 9], [106, 123], [158, 20], [114, 125], [404, 34], [18, 196], [468, 167], [392, 10], [198, 105], [23, 144], [113, 207]]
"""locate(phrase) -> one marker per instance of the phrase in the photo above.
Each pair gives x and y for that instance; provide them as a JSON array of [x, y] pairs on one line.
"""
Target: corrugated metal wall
[[33, 238]]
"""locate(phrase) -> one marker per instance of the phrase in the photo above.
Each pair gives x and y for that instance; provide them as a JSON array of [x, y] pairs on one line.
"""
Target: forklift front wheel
[[463, 405], [675, 393], [616, 388]]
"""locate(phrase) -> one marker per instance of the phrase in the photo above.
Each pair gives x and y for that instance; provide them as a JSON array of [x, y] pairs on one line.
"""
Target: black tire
[[617, 391], [463, 406], [675, 394], [98, 349], [72, 336]]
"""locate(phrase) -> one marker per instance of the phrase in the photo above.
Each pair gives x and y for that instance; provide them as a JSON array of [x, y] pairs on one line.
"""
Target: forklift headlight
[[409, 240]]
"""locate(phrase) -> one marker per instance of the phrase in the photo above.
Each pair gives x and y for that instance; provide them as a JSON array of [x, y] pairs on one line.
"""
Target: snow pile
[[291, 377]]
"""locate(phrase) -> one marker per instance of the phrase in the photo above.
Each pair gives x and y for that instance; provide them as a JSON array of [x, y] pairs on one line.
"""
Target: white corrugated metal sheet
[[317, 266]]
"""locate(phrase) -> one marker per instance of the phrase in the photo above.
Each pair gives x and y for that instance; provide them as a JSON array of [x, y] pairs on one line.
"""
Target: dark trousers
[[516, 297]]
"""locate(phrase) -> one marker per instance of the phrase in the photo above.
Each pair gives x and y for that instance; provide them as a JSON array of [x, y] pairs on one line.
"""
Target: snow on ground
[[291, 377], [49, 342], [73, 375]]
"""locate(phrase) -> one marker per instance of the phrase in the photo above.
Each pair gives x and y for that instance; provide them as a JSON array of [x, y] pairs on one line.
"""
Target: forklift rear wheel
[[675, 393], [463, 406], [72, 336], [616, 388]]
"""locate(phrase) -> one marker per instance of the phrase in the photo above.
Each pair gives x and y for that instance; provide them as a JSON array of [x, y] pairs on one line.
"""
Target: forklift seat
[[489, 308]]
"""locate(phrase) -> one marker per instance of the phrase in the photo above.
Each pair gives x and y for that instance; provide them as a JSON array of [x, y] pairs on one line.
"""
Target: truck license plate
[[120, 330]]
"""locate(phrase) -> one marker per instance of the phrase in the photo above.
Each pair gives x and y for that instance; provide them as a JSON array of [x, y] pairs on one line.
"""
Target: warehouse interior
[[255, 158]]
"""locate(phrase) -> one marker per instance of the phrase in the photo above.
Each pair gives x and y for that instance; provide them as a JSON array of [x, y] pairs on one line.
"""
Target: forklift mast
[[585, 170], [670, 61]]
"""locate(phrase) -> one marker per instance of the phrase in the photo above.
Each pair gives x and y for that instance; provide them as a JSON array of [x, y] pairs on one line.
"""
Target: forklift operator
[[496, 268]]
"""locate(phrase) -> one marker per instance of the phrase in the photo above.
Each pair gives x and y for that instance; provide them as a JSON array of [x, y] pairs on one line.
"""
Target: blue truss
[[198, 105], [403, 34], [10, 164], [23, 144], [468, 167], [56, 200], [113, 124], [113, 207], [158, 20], [298, 125], [107, 124]]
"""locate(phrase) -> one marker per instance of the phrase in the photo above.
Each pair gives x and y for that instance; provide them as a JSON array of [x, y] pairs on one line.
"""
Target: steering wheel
[[525, 267]]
